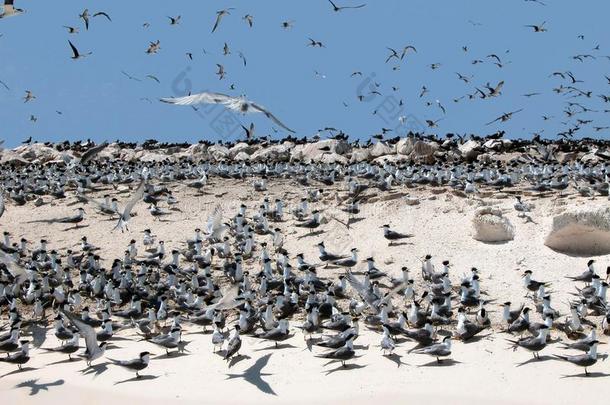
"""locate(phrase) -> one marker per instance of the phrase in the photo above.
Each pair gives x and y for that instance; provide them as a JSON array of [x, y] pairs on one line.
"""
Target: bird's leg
[[137, 375], [586, 372], [276, 345]]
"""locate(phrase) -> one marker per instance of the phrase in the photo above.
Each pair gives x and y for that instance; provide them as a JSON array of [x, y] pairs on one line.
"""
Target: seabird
[[240, 104]]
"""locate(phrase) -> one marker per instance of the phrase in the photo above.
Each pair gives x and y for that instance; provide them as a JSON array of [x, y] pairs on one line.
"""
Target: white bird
[[126, 215], [239, 104], [93, 351], [10, 10]]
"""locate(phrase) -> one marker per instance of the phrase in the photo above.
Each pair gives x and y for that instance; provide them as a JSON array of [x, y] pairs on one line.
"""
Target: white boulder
[[584, 231], [491, 226]]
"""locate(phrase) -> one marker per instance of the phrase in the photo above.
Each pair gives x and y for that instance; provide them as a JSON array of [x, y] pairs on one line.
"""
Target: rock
[[584, 231], [566, 157], [423, 152], [332, 158], [218, 152], [313, 152], [470, 149], [412, 200], [148, 156], [360, 155], [381, 149], [405, 146], [9, 157], [275, 153], [241, 157], [491, 226], [590, 157], [38, 152], [392, 159], [110, 152], [242, 147]]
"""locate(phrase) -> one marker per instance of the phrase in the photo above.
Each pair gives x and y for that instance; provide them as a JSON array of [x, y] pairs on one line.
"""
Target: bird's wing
[[16, 270], [137, 196], [201, 98], [74, 50], [91, 152], [215, 220], [270, 116], [228, 299], [86, 331], [357, 285], [153, 78], [104, 14], [218, 18]]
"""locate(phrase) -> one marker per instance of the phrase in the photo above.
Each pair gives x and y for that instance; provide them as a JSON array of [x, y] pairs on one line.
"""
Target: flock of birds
[[580, 114], [237, 278]]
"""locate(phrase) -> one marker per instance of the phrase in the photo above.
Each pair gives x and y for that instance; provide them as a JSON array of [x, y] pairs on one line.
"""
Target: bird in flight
[[10, 10], [75, 53], [339, 8], [29, 96], [538, 28], [154, 47], [219, 15], [505, 117], [239, 104], [71, 30], [315, 43], [174, 20], [249, 19]]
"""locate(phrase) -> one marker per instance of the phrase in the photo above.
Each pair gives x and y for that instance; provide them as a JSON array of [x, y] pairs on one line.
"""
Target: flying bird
[[174, 20], [505, 117], [339, 8], [75, 53], [538, 28], [219, 15], [249, 19], [102, 13], [10, 10], [126, 215], [240, 104], [71, 30]]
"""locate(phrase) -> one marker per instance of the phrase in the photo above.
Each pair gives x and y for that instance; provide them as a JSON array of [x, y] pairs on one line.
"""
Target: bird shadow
[[72, 228], [583, 375], [254, 375], [476, 338], [347, 367], [535, 360], [236, 359], [316, 233], [18, 371], [442, 363], [140, 378], [396, 358], [278, 347], [66, 361], [35, 387], [400, 244], [171, 355], [95, 370]]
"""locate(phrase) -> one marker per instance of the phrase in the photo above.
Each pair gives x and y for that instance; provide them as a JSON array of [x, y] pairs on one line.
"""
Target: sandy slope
[[484, 371]]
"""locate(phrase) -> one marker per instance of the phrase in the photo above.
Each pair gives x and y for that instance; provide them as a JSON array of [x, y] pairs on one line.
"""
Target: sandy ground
[[479, 372]]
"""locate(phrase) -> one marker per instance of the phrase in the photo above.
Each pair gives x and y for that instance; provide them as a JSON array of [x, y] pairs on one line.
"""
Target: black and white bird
[[10, 10], [138, 364]]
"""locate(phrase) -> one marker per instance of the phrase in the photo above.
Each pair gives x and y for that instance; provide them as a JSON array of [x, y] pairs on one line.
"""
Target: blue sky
[[97, 101]]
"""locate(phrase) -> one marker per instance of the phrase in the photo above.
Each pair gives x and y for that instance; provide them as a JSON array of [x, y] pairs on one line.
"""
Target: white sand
[[484, 372]]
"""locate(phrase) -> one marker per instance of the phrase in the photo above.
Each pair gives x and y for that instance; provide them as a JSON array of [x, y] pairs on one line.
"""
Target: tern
[[136, 365], [583, 360], [239, 104]]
